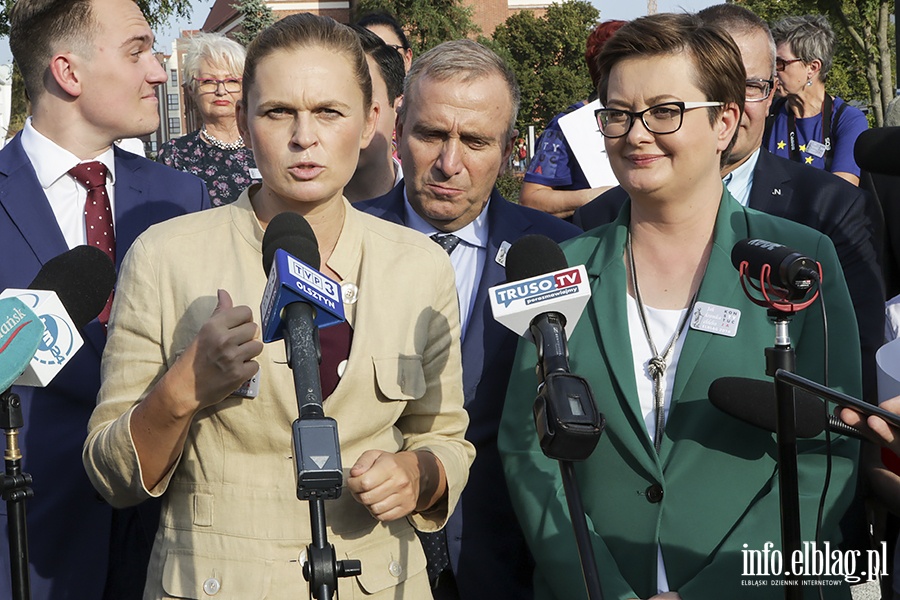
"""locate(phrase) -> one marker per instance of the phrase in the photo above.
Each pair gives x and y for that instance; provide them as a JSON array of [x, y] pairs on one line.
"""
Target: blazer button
[[211, 586], [654, 494], [395, 569]]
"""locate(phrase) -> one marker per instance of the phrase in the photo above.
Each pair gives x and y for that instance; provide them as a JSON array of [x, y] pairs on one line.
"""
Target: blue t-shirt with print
[[553, 163], [850, 124]]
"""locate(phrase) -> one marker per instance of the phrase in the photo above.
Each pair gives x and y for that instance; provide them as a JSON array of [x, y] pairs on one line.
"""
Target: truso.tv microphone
[[542, 301], [298, 301], [68, 292]]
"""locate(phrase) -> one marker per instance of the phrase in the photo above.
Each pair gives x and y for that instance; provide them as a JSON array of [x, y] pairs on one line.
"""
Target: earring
[[808, 81]]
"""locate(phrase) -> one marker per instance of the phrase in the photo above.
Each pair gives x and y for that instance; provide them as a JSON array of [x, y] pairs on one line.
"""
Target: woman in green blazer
[[677, 493]]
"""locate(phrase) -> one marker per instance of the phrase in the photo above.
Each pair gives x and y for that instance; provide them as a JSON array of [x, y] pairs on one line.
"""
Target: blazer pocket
[[389, 562], [400, 377], [193, 576]]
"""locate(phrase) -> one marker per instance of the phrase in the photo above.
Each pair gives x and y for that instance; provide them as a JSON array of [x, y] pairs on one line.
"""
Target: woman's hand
[[876, 428], [392, 485]]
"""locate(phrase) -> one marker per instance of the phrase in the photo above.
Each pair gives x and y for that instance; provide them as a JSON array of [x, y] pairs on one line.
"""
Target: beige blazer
[[231, 522]]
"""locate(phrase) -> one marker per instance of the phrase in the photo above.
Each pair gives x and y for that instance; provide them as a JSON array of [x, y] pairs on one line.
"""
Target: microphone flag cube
[[59, 340], [517, 303], [292, 280]]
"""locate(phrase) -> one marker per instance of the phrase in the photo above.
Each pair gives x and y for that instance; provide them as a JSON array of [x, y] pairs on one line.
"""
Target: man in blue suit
[[456, 129], [774, 185], [90, 73]]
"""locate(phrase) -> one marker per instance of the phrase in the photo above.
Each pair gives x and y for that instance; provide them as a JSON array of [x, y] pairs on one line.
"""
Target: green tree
[[863, 63], [547, 54], [256, 17], [426, 23]]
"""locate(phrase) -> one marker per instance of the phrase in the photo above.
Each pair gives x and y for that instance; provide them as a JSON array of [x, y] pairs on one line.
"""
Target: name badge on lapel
[[500, 259], [713, 318]]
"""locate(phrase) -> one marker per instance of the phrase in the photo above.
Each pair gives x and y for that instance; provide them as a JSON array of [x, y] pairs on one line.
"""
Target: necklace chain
[[214, 141], [659, 361]]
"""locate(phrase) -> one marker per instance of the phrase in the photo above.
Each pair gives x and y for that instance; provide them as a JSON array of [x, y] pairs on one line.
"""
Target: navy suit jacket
[[72, 533], [487, 550], [826, 203]]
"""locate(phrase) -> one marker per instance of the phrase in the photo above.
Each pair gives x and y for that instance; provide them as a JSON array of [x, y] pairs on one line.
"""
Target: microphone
[[875, 151], [542, 302], [297, 301], [20, 335], [787, 268], [68, 292], [289, 251], [753, 401], [542, 299]]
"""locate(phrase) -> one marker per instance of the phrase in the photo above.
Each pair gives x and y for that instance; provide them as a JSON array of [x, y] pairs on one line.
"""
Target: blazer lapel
[[771, 191], [720, 286], [608, 317], [484, 336], [24, 201]]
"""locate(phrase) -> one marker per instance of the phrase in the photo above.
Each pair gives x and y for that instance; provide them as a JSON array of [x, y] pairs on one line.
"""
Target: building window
[[173, 101], [174, 126], [174, 77]]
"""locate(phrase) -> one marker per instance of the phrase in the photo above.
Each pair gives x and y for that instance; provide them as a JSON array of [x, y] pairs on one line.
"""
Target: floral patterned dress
[[226, 172]]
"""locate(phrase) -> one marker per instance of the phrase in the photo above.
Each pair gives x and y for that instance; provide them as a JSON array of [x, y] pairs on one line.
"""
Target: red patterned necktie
[[98, 222]]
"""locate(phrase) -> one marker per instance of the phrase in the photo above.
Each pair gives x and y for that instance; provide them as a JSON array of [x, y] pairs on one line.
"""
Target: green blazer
[[718, 475]]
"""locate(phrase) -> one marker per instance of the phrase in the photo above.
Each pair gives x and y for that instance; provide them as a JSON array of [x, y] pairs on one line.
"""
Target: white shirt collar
[[474, 234], [51, 161], [742, 179]]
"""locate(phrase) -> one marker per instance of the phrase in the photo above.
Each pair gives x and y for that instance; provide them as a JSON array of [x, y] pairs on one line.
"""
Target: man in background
[[91, 76], [456, 129], [378, 171]]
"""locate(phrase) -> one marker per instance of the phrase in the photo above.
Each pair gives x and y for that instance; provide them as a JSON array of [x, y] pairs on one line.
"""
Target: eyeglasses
[[396, 47], [660, 118], [758, 90], [209, 86], [780, 63]]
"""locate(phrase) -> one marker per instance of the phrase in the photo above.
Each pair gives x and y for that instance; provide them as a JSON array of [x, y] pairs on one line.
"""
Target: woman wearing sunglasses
[[811, 126], [676, 490]]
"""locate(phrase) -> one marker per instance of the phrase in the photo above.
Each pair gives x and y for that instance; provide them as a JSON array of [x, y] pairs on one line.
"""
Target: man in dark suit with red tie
[[90, 73]]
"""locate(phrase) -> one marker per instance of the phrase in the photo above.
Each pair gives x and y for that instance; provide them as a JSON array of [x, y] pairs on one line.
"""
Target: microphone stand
[[317, 454], [14, 489], [782, 357], [568, 427]]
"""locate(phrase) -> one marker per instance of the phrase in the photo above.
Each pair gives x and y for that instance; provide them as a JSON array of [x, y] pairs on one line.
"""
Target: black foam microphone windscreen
[[292, 233], [753, 401], [533, 255], [82, 277], [878, 150]]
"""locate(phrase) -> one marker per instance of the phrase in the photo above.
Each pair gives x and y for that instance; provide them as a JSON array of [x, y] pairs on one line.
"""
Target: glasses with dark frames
[[663, 118], [781, 63], [209, 86]]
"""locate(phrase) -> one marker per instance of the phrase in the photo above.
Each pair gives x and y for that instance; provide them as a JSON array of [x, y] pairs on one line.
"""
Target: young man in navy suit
[[456, 129], [91, 75], [775, 185]]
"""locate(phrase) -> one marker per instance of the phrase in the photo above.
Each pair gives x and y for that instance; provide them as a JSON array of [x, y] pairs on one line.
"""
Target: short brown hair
[[38, 28], [717, 60], [306, 30]]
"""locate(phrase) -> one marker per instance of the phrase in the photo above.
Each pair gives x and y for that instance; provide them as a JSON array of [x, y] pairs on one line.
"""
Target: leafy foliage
[[256, 17], [863, 60], [427, 23], [547, 54]]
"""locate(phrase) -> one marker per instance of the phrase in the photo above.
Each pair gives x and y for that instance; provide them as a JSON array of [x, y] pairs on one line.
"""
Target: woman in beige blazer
[[184, 336]]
